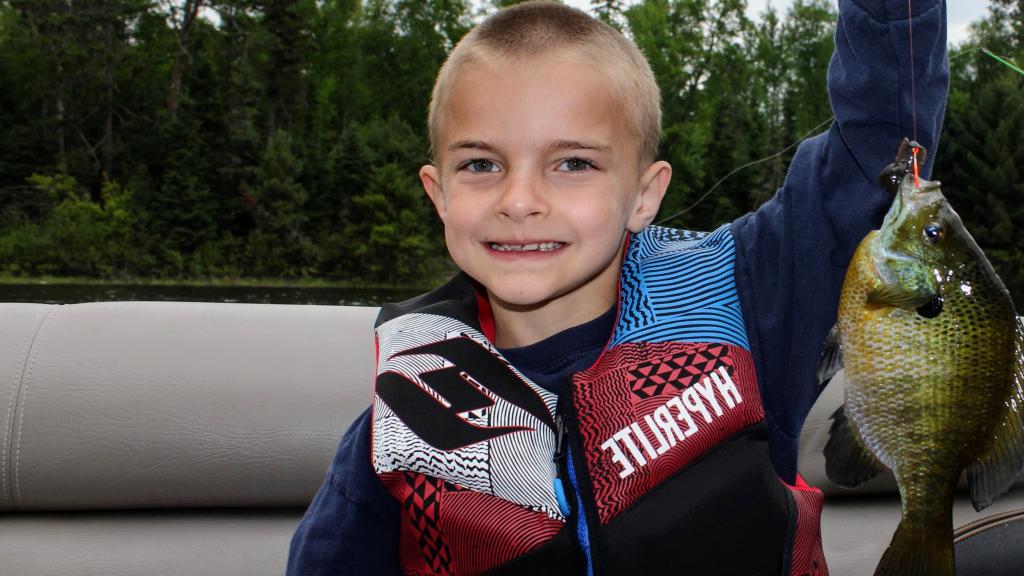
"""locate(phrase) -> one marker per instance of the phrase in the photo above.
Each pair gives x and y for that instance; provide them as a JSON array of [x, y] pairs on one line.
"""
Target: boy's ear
[[430, 177], [653, 184]]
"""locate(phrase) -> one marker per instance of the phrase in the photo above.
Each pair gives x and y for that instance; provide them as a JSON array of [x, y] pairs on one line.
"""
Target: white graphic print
[[516, 466]]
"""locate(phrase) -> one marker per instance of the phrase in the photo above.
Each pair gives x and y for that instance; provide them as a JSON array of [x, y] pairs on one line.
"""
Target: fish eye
[[934, 233]]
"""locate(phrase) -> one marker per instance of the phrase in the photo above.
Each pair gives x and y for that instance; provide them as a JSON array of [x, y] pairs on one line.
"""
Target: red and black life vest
[[665, 434]]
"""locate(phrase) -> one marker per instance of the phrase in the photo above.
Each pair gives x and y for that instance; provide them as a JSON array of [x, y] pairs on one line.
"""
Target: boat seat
[[172, 438]]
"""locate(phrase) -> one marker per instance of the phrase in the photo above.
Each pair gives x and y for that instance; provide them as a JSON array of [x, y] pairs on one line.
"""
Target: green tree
[[184, 208], [79, 236], [609, 11], [385, 231], [980, 154], [290, 25], [29, 138], [768, 70], [280, 244], [82, 51], [807, 42], [182, 15], [686, 41], [283, 137], [505, 3]]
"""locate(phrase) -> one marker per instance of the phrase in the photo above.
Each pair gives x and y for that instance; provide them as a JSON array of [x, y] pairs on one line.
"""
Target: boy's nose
[[522, 198]]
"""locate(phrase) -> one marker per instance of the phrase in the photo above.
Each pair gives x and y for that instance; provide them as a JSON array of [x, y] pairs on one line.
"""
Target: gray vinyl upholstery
[[151, 438], [158, 439]]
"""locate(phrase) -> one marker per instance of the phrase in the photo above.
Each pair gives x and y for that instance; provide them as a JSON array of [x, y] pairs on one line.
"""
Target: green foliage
[[807, 44], [733, 91], [279, 192], [289, 25], [980, 158], [386, 212], [292, 141], [506, 3], [609, 11], [56, 187], [278, 244], [79, 236]]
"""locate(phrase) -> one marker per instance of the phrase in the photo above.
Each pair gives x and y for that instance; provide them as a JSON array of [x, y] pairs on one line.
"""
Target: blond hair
[[534, 29]]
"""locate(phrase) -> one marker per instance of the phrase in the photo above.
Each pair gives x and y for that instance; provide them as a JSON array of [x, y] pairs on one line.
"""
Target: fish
[[932, 350]]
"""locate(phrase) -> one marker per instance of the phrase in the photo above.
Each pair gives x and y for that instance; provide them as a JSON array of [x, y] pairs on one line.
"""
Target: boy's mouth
[[534, 247]]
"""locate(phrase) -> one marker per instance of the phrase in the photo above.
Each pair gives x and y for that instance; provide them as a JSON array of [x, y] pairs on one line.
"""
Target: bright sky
[[960, 12]]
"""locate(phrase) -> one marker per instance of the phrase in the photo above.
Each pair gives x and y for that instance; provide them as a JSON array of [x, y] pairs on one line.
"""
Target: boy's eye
[[481, 165], [574, 165]]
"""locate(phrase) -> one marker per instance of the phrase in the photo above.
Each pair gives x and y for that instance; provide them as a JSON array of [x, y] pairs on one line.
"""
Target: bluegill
[[932, 349]]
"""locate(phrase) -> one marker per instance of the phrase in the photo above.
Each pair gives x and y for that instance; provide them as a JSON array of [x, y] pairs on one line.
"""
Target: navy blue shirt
[[791, 258]]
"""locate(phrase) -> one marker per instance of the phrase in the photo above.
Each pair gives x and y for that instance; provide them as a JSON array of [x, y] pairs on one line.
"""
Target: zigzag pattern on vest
[[450, 531], [677, 378], [808, 554], [680, 287], [654, 238], [432, 417], [648, 410]]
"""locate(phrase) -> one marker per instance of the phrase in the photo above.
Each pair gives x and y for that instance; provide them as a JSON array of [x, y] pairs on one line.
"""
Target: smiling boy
[[592, 394], [538, 177]]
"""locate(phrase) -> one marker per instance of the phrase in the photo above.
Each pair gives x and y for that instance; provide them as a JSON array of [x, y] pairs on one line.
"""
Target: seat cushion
[[153, 543]]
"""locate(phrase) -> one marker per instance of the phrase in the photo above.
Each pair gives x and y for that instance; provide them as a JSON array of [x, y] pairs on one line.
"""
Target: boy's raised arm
[[793, 252], [870, 85], [876, 103]]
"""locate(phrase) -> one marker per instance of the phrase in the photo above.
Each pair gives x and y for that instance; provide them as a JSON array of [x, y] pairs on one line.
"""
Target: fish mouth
[[906, 278], [912, 192], [930, 309], [893, 216]]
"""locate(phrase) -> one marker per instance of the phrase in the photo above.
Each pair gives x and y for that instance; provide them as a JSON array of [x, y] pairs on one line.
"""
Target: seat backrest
[[169, 404]]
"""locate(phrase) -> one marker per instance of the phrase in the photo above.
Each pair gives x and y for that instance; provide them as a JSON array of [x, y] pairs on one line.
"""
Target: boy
[[594, 395]]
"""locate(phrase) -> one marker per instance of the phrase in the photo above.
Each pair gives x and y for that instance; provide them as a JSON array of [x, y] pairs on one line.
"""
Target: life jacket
[[663, 440]]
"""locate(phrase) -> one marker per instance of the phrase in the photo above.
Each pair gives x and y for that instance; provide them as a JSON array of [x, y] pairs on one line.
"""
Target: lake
[[74, 293]]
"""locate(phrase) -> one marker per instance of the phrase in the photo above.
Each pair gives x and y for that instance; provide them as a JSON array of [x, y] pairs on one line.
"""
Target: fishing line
[[913, 91], [1001, 60], [913, 100], [747, 165], [913, 87]]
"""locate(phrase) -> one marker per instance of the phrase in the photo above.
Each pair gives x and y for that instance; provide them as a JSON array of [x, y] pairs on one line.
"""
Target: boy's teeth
[[542, 246]]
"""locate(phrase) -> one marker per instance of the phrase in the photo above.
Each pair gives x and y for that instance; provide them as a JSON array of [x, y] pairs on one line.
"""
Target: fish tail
[[919, 551]]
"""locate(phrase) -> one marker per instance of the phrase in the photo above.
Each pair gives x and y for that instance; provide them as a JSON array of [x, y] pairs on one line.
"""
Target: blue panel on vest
[[679, 286]]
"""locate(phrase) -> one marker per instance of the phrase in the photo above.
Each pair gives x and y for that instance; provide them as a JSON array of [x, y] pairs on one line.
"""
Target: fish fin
[[994, 472], [848, 462], [895, 295], [831, 361], [917, 551]]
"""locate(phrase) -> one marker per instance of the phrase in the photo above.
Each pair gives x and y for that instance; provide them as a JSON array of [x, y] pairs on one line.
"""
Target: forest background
[[223, 139]]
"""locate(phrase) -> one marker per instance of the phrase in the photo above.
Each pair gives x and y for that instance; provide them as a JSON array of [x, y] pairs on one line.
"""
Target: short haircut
[[533, 29]]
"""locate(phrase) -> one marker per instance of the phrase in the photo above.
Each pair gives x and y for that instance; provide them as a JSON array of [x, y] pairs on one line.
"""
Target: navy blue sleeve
[[351, 526], [793, 252]]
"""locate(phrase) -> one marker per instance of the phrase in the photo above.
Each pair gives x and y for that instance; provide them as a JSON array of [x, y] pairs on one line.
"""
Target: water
[[74, 293]]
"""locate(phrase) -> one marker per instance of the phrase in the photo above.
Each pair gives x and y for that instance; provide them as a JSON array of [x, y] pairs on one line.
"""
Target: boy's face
[[538, 180]]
